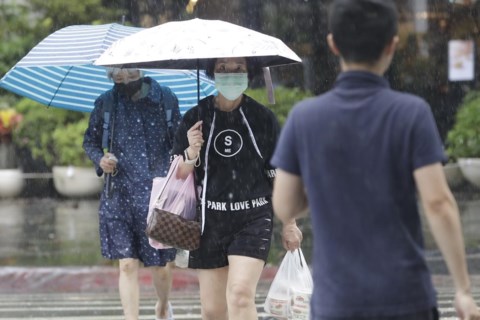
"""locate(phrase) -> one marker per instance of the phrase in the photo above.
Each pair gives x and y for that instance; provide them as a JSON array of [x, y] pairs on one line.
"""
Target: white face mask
[[231, 85]]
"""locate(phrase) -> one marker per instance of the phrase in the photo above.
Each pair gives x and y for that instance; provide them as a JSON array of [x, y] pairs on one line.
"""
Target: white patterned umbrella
[[188, 44], [59, 71]]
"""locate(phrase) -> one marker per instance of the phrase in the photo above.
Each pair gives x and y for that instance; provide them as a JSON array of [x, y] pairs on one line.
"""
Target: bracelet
[[188, 161]]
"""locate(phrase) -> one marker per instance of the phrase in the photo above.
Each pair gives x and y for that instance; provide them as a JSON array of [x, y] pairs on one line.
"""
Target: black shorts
[[243, 233]]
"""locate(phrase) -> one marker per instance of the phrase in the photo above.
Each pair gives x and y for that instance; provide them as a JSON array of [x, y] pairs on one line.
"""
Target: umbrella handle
[[108, 185], [198, 89], [198, 81]]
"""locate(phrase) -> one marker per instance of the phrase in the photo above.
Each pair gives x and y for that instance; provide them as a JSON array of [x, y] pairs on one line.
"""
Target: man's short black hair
[[361, 29], [253, 68]]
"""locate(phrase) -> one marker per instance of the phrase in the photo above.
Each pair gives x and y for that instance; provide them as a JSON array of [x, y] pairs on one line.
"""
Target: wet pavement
[[91, 305], [49, 232], [64, 232], [52, 268]]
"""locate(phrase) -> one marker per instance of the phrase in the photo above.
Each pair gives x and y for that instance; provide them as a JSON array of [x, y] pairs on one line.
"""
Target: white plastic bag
[[181, 258], [173, 195], [291, 289]]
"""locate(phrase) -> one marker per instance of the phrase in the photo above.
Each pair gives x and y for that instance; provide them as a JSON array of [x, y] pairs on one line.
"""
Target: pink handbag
[[171, 220]]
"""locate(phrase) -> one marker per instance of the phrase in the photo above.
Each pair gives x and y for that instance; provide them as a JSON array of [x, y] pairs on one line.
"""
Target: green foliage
[[35, 132], [68, 142], [57, 14], [285, 99], [463, 140], [16, 34]]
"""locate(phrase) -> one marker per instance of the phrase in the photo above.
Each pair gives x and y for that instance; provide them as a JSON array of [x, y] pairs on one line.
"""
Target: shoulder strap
[[167, 103]]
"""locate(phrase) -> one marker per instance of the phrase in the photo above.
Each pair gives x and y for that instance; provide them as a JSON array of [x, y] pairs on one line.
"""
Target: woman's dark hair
[[253, 68], [361, 29]]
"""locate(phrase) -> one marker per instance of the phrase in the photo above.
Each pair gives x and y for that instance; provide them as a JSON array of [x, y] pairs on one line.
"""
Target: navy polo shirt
[[356, 148]]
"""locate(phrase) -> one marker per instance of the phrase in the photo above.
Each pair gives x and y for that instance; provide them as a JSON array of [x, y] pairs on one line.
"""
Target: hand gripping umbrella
[[190, 44]]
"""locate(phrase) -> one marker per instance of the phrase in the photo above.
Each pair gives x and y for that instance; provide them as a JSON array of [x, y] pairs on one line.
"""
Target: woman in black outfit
[[229, 145]]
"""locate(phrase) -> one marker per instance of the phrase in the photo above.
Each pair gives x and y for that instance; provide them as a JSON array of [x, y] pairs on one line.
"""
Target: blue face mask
[[231, 85]]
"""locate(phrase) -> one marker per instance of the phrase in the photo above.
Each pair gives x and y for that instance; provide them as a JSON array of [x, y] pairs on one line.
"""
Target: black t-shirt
[[238, 162]]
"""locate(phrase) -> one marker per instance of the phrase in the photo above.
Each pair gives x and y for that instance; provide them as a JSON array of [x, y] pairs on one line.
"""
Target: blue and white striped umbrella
[[59, 71]]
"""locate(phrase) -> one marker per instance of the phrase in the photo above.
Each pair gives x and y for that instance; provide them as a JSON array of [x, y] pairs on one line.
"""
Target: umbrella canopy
[[59, 71], [187, 44]]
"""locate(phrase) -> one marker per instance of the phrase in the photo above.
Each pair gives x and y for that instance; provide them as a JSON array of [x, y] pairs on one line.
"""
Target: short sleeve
[[285, 156], [427, 147]]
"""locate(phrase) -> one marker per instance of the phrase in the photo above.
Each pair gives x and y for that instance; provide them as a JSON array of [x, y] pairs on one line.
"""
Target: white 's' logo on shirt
[[228, 143]]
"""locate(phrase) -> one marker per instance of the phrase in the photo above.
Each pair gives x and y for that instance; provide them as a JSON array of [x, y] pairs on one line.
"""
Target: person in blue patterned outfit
[[140, 151]]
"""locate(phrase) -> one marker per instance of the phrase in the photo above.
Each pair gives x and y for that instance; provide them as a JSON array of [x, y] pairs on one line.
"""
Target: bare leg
[[128, 287], [213, 284], [162, 282], [243, 278]]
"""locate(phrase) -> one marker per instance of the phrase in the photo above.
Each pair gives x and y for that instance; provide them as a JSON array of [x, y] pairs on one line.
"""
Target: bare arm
[[289, 199], [443, 217], [195, 141], [289, 202], [184, 169]]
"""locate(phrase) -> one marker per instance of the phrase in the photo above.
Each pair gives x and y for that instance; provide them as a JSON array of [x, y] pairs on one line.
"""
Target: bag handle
[[300, 257], [171, 171]]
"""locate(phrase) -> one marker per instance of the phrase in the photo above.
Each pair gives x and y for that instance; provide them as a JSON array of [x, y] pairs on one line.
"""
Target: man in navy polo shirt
[[356, 156]]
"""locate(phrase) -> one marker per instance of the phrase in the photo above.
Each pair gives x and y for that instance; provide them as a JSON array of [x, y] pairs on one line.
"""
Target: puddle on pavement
[[60, 232], [49, 232]]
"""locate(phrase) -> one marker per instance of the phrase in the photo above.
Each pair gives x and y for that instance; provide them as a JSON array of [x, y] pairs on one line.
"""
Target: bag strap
[[300, 256], [171, 171]]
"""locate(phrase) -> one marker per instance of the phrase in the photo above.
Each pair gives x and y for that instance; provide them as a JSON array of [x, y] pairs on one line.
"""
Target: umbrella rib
[[58, 88]]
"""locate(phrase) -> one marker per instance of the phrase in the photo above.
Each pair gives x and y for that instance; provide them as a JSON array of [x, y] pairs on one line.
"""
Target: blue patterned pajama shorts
[[123, 219]]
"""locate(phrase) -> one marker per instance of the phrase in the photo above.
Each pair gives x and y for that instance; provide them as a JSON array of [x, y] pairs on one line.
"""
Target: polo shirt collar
[[357, 79]]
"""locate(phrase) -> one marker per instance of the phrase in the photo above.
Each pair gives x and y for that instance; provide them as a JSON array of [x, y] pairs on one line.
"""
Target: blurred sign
[[461, 60]]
